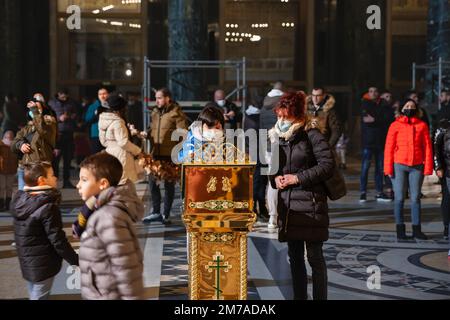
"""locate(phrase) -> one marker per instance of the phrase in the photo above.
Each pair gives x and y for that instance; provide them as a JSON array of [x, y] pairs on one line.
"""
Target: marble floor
[[362, 241]]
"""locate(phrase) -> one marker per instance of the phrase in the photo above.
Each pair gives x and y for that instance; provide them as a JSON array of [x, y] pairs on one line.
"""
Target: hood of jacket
[[309, 124], [25, 203], [275, 93], [270, 102], [327, 104], [106, 118], [123, 197]]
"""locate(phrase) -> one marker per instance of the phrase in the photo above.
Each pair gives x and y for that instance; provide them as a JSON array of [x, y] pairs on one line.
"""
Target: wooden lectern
[[218, 204]]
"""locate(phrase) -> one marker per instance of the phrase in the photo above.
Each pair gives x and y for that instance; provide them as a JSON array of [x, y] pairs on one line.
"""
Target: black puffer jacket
[[40, 240], [442, 147], [303, 209]]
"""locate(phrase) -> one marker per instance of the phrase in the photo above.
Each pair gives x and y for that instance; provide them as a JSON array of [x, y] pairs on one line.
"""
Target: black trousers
[[445, 204], [296, 251], [96, 146], [259, 191], [156, 196], [66, 145]]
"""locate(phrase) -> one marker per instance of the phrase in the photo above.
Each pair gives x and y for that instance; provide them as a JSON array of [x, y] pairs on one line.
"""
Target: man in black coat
[[442, 167], [232, 114], [444, 112], [67, 111], [372, 133]]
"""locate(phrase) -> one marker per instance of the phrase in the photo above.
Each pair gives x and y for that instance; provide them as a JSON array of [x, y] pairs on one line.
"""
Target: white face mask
[[213, 135], [220, 103], [284, 125]]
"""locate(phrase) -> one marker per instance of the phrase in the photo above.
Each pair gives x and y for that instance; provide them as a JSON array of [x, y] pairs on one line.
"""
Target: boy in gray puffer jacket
[[111, 261]]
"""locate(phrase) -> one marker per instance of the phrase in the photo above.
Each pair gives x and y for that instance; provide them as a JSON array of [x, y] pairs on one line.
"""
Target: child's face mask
[[212, 135]]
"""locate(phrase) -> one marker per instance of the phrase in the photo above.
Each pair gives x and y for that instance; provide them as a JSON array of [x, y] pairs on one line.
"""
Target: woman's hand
[[279, 181], [440, 173], [290, 180]]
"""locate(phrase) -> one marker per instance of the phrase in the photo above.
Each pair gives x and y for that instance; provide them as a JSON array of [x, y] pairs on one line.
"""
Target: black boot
[[2, 205], [7, 204], [417, 233], [446, 232], [401, 232]]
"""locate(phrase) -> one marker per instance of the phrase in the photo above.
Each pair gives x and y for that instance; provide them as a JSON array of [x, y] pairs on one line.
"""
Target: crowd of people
[[403, 141], [311, 142]]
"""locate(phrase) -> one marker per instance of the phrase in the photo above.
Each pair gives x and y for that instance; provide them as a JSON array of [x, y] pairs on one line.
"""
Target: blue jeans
[[379, 160], [413, 175], [40, 290], [20, 179]]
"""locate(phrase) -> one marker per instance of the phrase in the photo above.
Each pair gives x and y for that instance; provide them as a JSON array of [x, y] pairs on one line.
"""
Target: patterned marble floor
[[361, 237]]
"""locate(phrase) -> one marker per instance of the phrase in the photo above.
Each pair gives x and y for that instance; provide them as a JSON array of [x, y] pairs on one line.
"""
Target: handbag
[[335, 186]]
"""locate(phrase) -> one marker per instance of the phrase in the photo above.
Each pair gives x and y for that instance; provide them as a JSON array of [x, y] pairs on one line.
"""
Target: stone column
[[188, 31], [25, 57], [10, 55], [438, 43]]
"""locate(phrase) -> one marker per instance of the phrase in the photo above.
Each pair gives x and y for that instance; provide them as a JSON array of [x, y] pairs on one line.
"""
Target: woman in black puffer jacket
[[305, 163]]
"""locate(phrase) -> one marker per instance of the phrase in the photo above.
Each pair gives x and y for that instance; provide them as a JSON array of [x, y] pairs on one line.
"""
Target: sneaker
[[153, 218], [382, 197], [166, 221], [272, 223], [363, 198]]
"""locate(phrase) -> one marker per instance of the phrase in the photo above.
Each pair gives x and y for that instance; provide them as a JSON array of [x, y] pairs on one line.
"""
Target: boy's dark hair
[[32, 172], [104, 166], [211, 115], [166, 92]]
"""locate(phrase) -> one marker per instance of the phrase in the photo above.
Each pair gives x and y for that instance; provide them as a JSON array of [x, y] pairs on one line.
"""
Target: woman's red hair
[[292, 105]]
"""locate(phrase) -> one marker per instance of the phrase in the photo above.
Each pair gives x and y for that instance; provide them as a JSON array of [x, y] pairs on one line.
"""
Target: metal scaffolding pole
[[239, 65], [438, 66]]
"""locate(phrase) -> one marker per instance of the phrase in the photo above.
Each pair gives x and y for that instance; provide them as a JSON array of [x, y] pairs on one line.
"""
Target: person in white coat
[[114, 136]]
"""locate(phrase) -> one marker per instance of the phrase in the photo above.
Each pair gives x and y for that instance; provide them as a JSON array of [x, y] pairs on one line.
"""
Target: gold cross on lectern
[[216, 265]]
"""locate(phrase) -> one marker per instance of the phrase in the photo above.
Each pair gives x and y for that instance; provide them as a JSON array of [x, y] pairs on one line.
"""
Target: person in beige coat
[[114, 136], [110, 258]]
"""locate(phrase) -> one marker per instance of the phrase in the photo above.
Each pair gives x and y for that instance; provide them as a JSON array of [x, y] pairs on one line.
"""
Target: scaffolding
[[240, 89], [440, 66]]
